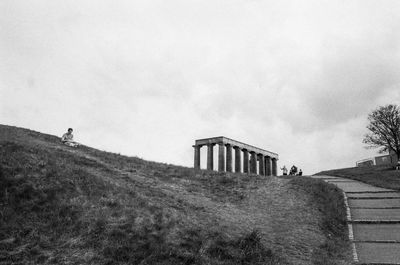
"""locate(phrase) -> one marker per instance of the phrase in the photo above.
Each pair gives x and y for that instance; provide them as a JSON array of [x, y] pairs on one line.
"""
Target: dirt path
[[374, 221]]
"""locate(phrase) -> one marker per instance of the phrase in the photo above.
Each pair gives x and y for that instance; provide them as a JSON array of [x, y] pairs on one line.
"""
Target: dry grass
[[60, 205], [381, 176], [328, 199]]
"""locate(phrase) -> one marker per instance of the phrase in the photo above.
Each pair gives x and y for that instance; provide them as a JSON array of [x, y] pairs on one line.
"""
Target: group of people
[[293, 171]]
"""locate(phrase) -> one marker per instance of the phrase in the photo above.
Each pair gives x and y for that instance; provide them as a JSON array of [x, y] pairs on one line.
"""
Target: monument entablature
[[263, 160]]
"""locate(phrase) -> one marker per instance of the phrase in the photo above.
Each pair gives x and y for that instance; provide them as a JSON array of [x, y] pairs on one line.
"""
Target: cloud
[[147, 78]]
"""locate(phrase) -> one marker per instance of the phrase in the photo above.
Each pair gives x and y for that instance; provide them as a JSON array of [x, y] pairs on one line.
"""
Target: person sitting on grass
[[68, 138]]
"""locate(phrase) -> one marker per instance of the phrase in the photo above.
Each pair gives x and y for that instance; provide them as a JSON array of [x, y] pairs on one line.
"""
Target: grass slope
[[381, 176], [60, 205], [329, 201]]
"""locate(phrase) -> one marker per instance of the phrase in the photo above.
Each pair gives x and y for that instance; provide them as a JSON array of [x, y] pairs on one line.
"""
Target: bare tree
[[384, 127]]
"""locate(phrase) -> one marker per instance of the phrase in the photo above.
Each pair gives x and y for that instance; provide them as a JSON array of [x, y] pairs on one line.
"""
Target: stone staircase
[[373, 216]]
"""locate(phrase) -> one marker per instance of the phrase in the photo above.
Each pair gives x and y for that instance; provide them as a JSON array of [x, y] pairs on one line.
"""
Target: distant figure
[[293, 170], [284, 170], [300, 173], [68, 138], [398, 165]]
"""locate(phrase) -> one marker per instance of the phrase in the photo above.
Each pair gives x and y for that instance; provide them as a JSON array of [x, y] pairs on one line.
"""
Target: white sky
[[147, 78]]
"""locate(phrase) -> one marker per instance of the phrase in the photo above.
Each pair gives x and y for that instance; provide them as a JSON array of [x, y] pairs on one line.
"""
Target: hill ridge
[[85, 206]]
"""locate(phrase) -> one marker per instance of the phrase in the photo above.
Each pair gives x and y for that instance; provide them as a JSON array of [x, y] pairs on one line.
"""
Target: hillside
[[382, 176], [62, 205]]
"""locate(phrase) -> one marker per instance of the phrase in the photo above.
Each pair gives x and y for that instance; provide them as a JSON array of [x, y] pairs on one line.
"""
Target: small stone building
[[389, 159]]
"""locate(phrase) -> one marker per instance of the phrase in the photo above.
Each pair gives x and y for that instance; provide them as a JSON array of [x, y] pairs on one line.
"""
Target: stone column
[[210, 156], [274, 167], [261, 165], [221, 157], [197, 156], [237, 159], [245, 161], [253, 162], [268, 170], [229, 158]]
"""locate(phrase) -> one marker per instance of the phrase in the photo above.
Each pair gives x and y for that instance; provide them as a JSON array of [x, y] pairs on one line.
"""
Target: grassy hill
[[382, 176], [62, 205]]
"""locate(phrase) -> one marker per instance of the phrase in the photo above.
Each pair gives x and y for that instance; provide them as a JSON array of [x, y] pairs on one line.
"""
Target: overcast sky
[[147, 78]]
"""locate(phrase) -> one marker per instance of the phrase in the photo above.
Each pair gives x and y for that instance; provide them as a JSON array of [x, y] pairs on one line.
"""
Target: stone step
[[374, 203], [378, 253], [372, 192], [375, 214], [337, 179], [358, 187], [322, 177], [376, 195], [376, 232], [340, 180]]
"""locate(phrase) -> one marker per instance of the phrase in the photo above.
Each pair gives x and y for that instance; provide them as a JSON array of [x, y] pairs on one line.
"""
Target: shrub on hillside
[[246, 250]]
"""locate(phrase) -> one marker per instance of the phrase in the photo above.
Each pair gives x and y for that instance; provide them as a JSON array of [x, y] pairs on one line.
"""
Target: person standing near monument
[[284, 170], [68, 138], [293, 170]]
